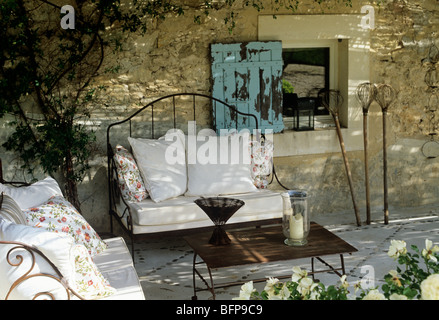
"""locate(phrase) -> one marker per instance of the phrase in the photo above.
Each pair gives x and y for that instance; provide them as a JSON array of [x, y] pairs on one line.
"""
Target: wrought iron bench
[[128, 214]]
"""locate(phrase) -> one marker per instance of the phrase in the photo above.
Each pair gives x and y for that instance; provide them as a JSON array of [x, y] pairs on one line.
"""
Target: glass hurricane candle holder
[[295, 218]]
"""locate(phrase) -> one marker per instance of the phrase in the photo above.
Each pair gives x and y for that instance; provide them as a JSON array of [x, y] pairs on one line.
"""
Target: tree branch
[[71, 65], [34, 65]]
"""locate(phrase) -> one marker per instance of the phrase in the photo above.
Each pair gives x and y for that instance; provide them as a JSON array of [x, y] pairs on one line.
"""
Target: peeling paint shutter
[[248, 76]]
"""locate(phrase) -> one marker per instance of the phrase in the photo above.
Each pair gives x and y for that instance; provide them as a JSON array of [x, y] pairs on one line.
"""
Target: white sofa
[[152, 195], [45, 255]]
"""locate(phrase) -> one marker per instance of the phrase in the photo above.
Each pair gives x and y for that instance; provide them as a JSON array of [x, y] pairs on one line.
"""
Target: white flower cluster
[[275, 290], [303, 287]]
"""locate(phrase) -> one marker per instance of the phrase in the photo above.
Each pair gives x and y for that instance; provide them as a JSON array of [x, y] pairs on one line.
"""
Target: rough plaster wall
[[174, 57]]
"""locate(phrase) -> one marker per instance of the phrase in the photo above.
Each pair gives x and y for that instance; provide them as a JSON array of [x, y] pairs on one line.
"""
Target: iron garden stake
[[385, 95], [366, 94]]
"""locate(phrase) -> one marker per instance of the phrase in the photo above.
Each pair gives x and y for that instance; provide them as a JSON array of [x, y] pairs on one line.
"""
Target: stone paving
[[165, 266]]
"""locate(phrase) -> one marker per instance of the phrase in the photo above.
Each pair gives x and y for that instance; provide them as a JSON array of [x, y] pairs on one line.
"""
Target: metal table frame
[[209, 283]]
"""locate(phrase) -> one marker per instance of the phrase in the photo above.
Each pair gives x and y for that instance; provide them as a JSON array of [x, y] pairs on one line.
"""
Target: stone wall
[[174, 57]]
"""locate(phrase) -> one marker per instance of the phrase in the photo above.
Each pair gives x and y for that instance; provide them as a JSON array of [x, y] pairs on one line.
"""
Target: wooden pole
[[366, 166], [348, 169], [386, 194]]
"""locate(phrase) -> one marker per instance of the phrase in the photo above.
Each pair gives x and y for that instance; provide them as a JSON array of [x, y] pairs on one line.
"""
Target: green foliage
[[287, 87], [46, 77]]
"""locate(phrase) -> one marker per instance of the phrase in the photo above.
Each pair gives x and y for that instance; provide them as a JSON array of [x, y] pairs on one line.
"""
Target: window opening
[[306, 73]]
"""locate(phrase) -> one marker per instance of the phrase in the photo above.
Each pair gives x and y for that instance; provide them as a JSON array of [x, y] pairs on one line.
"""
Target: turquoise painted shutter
[[249, 77]]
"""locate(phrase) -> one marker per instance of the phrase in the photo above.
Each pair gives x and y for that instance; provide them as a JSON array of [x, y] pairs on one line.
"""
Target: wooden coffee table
[[263, 245]]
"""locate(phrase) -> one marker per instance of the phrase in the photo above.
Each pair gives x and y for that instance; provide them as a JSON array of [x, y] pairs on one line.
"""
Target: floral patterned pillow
[[131, 183], [261, 162], [89, 281], [58, 215]]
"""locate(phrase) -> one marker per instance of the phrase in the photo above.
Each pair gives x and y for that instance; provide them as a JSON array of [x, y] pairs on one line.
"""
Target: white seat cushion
[[116, 265], [182, 213], [127, 284], [116, 256]]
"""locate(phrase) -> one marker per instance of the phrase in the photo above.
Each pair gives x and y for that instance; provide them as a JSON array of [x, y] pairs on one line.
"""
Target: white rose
[[269, 287], [374, 295], [298, 274], [430, 250], [246, 291], [396, 296], [430, 288], [397, 248]]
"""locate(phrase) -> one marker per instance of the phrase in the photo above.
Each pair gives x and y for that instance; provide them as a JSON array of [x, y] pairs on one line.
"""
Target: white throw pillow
[[10, 210], [218, 165], [54, 246], [34, 194], [162, 164]]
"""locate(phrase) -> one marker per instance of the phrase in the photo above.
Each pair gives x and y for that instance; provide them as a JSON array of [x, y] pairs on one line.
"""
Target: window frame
[[333, 66], [353, 42]]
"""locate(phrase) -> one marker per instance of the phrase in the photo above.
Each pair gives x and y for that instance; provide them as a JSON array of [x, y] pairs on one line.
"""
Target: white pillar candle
[[296, 227]]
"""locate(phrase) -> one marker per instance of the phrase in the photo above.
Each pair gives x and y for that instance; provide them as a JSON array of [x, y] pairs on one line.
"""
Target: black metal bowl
[[219, 210]]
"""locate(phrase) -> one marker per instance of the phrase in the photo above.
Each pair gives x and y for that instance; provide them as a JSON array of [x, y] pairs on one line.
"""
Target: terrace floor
[[165, 266]]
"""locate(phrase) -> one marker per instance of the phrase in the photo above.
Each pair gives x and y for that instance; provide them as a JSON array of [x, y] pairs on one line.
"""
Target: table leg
[[194, 297], [211, 288], [331, 268], [342, 264]]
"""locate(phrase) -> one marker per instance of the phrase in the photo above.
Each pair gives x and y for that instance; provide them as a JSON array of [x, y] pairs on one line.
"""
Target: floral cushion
[[58, 215], [131, 184], [261, 162], [89, 282]]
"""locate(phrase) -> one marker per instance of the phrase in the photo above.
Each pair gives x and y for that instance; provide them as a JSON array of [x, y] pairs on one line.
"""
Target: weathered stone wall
[[404, 32], [174, 57]]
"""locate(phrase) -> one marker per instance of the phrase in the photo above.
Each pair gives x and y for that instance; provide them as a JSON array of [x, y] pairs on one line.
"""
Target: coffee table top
[[264, 245]]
